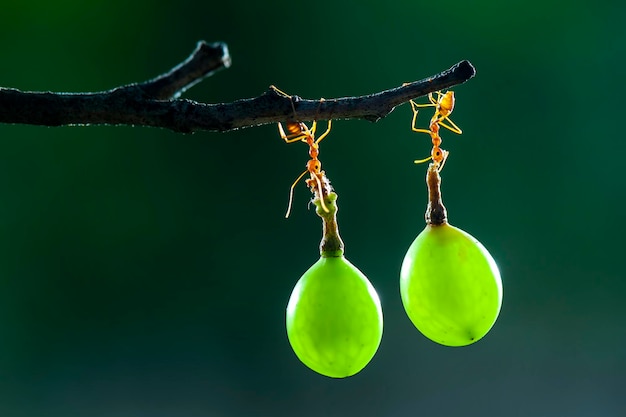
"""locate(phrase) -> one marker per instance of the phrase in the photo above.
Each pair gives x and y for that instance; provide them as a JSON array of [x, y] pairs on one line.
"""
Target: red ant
[[300, 132], [444, 104]]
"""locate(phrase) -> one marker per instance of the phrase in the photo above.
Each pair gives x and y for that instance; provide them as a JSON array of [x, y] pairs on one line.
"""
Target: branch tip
[[466, 69], [215, 49], [203, 62]]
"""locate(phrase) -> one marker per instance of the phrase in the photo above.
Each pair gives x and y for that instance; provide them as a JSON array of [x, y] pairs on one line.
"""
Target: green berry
[[450, 286], [334, 318]]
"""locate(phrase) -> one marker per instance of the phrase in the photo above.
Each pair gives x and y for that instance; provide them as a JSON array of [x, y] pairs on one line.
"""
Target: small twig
[[154, 103], [202, 63]]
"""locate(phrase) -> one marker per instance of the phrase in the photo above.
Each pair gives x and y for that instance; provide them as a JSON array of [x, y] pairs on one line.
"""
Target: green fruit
[[334, 318], [450, 286]]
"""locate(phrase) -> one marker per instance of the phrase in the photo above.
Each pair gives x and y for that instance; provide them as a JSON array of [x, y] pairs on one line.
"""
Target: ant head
[[438, 154], [314, 166], [439, 157]]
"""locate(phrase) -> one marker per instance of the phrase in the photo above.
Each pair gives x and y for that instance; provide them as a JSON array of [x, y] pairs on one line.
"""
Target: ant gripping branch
[[444, 104], [300, 132]]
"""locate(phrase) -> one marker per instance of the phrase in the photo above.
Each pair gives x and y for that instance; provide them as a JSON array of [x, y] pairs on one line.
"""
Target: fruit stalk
[[331, 245], [436, 213]]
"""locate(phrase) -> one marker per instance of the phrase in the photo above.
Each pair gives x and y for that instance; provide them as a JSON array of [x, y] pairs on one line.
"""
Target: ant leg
[[296, 137], [320, 191], [433, 102], [452, 126], [414, 107], [423, 105], [314, 126], [279, 91], [325, 133], [414, 120], [282, 93], [319, 105], [414, 129], [291, 192], [414, 116], [421, 161]]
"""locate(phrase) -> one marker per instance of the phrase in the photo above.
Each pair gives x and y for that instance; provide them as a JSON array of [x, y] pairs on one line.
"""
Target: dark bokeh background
[[145, 273]]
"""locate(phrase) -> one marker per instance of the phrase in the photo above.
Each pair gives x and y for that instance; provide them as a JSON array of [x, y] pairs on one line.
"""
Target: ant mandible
[[300, 132], [444, 104]]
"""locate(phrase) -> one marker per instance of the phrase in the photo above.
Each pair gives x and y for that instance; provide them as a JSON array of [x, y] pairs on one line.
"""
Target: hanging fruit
[[334, 316], [334, 319], [449, 283]]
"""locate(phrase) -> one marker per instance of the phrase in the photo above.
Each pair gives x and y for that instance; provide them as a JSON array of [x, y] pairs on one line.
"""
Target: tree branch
[[155, 102]]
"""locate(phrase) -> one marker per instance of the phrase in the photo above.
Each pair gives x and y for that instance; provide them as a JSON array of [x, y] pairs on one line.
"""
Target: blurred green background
[[146, 273]]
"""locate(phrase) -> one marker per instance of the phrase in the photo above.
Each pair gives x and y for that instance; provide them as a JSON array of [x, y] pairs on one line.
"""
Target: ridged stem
[[331, 245], [436, 213]]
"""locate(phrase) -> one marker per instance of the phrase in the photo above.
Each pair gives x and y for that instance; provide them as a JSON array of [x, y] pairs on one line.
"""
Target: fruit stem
[[436, 213], [331, 245]]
